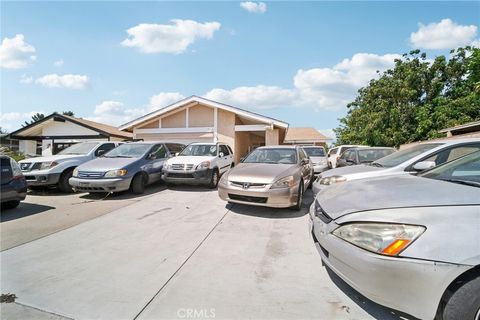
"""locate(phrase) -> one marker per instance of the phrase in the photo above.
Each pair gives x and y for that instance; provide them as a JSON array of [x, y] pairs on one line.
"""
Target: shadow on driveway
[[124, 195], [273, 213], [25, 209], [374, 309]]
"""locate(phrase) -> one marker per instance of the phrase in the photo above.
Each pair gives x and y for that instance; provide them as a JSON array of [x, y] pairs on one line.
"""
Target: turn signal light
[[396, 247]]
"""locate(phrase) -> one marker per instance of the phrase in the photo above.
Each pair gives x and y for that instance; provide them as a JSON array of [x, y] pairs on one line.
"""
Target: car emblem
[[246, 185]]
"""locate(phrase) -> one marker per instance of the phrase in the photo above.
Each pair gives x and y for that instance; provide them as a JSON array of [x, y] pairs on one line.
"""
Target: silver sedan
[[275, 176], [406, 242]]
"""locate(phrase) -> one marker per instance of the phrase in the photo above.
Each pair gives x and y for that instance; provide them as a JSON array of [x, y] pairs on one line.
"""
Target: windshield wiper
[[376, 164], [464, 182], [117, 157]]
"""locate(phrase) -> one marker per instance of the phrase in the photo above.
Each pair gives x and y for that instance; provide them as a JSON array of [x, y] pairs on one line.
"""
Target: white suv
[[335, 153], [199, 163]]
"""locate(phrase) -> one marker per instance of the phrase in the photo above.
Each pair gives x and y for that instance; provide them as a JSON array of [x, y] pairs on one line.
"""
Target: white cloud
[[254, 7], [26, 79], [317, 88], [70, 81], [9, 120], [164, 99], [58, 63], [15, 53], [169, 38], [445, 34]]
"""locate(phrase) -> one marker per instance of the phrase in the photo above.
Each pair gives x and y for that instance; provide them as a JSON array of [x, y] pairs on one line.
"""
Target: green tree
[[415, 99], [36, 117], [68, 113]]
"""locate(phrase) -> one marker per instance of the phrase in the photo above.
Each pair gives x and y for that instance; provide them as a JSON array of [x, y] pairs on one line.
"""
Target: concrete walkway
[[178, 254]]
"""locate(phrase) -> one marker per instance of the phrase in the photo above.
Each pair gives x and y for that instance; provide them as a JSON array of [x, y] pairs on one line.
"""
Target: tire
[[464, 302], [10, 204], [214, 179], [63, 183], [36, 188], [298, 206], [138, 184]]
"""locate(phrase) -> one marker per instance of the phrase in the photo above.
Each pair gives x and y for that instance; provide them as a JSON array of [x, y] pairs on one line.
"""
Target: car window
[[158, 151], [452, 153], [79, 148], [129, 150], [315, 151], [199, 150], [230, 149], [332, 151], [104, 148], [350, 155], [273, 156], [369, 155], [401, 156], [344, 155], [464, 170], [174, 147], [224, 149]]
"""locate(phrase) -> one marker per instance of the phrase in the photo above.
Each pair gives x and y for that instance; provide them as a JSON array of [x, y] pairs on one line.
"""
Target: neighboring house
[[6, 141], [305, 136], [57, 131], [197, 119]]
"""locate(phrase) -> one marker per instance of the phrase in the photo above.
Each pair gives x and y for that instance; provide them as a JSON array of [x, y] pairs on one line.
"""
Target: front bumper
[[319, 168], [259, 196], [15, 190], [41, 178], [412, 286], [187, 177], [100, 185]]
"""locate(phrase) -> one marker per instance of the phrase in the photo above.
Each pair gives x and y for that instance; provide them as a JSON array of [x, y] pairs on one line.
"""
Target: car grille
[[247, 198], [181, 166], [247, 185], [89, 189], [180, 175], [90, 174]]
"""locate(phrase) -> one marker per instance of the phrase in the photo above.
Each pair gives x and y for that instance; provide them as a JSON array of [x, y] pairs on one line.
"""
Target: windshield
[[369, 155], [465, 170], [129, 150], [401, 156], [80, 148], [314, 152], [200, 150], [285, 156]]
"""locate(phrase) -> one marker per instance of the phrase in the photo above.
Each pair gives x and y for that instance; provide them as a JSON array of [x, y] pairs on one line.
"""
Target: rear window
[[332, 151], [370, 155], [314, 152]]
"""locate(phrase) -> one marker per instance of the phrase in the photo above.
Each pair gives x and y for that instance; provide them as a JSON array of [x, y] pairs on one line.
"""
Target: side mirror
[[424, 165], [305, 161], [101, 153], [220, 155], [151, 156]]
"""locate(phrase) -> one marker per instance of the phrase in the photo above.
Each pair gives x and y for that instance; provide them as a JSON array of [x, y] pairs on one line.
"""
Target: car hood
[[394, 192], [195, 160], [58, 157], [260, 172], [106, 164], [353, 172]]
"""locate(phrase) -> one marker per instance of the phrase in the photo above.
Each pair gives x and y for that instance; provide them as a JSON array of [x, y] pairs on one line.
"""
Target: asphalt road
[[174, 253]]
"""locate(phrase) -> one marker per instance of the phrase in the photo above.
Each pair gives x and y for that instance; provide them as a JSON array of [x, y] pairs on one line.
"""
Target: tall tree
[[68, 113], [36, 117], [415, 99]]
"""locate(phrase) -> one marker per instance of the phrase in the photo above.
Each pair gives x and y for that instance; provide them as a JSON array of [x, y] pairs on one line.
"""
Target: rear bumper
[[41, 178], [264, 197], [15, 190], [100, 185], [413, 286], [319, 168], [187, 177]]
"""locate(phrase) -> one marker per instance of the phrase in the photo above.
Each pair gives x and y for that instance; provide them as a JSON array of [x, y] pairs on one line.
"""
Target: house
[[58, 131], [7, 142], [305, 136], [197, 119], [467, 130]]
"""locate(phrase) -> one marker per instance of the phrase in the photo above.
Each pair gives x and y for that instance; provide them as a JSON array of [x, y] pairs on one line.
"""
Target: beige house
[[197, 119], [306, 137]]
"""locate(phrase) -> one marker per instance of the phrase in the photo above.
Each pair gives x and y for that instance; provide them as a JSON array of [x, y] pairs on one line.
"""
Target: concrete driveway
[[178, 253]]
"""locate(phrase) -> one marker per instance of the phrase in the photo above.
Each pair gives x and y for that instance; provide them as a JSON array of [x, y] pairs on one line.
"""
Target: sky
[[299, 62]]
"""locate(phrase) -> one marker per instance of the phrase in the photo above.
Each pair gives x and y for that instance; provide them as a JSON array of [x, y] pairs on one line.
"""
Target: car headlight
[[75, 172], [224, 179], [204, 165], [115, 173], [167, 166], [286, 182], [47, 165], [382, 238], [331, 180]]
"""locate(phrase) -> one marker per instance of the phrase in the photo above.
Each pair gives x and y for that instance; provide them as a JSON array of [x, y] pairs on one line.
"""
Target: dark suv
[[14, 186]]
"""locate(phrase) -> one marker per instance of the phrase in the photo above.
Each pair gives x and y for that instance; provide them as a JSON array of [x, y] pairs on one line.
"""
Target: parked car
[[335, 153], [199, 163], [273, 176], [318, 156], [56, 170], [363, 155], [412, 160], [130, 166], [410, 243], [14, 186]]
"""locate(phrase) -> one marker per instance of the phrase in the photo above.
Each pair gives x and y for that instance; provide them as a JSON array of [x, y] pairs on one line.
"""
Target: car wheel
[[298, 206], [464, 302], [138, 184], [214, 179], [63, 183], [10, 204]]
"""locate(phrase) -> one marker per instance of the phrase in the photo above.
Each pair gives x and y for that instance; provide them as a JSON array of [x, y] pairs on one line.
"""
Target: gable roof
[[207, 102], [92, 125], [304, 134]]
